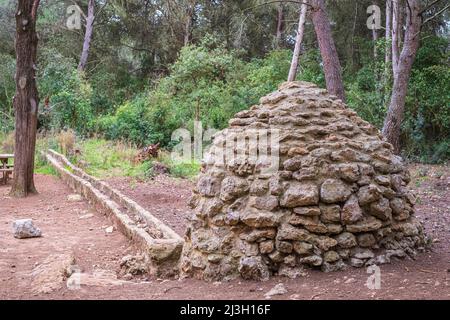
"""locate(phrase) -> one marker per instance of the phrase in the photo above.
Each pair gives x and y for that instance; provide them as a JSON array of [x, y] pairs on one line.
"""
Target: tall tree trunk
[[87, 36], [187, 31], [375, 39], [352, 48], [26, 99], [188, 24], [298, 41], [394, 118], [401, 20], [330, 59], [395, 39], [280, 24], [375, 36], [388, 50]]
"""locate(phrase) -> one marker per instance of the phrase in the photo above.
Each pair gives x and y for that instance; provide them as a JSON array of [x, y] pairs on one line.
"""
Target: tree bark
[[395, 41], [298, 41], [388, 51], [394, 118], [352, 49], [188, 24], [87, 36], [375, 39], [280, 24], [26, 99], [388, 55], [330, 59]]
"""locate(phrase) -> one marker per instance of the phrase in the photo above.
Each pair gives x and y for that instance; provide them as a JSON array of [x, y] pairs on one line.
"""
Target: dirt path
[[64, 231], [67, 228]]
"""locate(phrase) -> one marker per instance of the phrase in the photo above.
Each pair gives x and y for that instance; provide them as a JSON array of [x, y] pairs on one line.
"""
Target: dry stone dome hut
[[336, 198]]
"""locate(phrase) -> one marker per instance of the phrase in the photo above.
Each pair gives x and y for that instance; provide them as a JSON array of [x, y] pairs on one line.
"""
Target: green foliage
[[137, 121], [176, 169], [206, 84], [365, 97], [310, 68], [69, 95], [142, 82], [104, 159], [185, 170], [7, 88], [426, 129], [45, 169]]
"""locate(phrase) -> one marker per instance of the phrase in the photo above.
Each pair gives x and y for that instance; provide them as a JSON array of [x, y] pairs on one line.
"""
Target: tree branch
[[277, 1], [429, 6], [100, 10], [435, 15]]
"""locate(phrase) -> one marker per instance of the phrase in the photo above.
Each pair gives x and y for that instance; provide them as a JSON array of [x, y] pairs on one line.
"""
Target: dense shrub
[[7, 88], [65, 96], [206, 84], [426, 126], [210, 83], [426, 129]]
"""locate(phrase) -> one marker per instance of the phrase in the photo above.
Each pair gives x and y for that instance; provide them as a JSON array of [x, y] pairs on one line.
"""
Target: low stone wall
[[159, 243]]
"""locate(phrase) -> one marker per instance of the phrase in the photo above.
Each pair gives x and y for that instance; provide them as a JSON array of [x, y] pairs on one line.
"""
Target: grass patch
[[103, 158], [185, 170], [46, 170]]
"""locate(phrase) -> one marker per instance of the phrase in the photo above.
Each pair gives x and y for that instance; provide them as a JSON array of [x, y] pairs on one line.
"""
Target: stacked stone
[[339, 196]]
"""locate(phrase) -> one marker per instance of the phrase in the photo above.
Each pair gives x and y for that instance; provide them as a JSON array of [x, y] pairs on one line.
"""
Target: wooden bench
[[5, 168]]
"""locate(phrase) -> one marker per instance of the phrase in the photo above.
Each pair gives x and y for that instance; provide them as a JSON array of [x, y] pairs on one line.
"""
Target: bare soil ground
[[64, 231]]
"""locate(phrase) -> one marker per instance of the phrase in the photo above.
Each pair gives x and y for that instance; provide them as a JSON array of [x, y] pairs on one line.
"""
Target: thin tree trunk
[[280, 18], [187, 31], [26, 99], [298, 41], [352, 49], [401, 21], [394, 118], [330, 59], [375, 39], [388, 50], [188, 23], [395, 29], [87, 36]]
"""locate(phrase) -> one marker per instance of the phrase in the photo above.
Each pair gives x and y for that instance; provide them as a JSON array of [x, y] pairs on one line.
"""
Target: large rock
[[260, 219], [333, 191], [351, 212], [299, 194], [25, 228], [368, 194], [346, 240], [253, 268], [233, 187], [330, 213], [289, 232], [49, 275], [208, 186], [381, 209], [264, 203], [368, 224]]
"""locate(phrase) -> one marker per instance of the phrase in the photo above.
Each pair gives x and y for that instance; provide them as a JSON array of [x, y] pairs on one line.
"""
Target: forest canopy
[[158, 65]]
